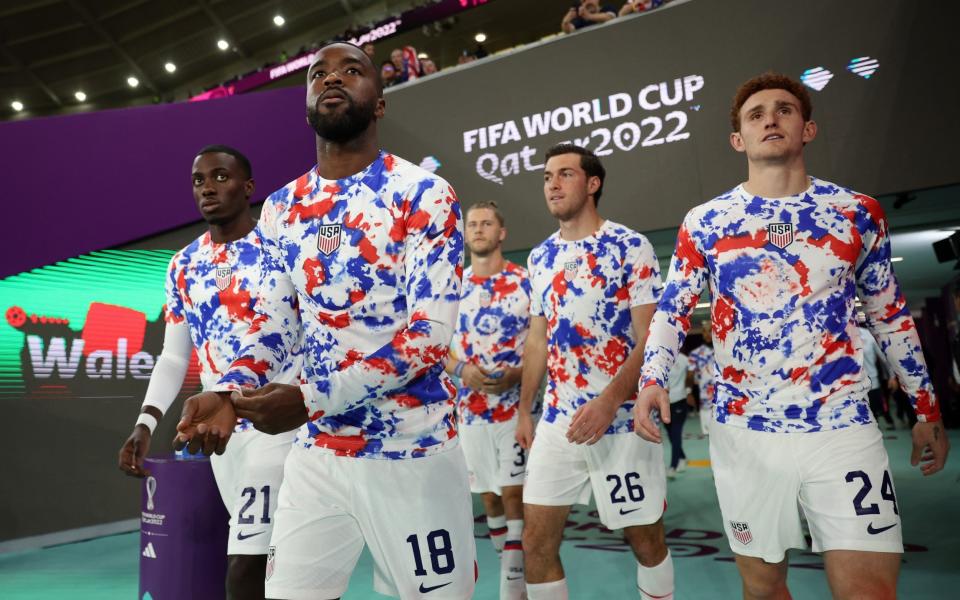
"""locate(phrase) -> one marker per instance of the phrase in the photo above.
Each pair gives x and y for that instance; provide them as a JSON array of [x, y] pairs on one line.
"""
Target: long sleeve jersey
[[784, 275], [369, 268], [585, 290], [211, 290], [492, 325]]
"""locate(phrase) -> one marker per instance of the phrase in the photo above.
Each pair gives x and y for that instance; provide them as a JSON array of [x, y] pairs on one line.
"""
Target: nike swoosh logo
[[874, 531], [427, 590], [241, 537], [514, 578], [520, 472], [627, 512]]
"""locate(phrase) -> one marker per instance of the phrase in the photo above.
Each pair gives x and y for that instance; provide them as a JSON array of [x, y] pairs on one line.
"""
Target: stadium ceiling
[[52, 49]]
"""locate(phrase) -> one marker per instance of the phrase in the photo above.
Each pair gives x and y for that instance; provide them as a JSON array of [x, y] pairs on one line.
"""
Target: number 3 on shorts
[[441, 552], [886, 492]]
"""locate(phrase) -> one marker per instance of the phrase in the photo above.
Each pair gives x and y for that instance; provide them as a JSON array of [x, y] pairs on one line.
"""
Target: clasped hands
[[209, 418]]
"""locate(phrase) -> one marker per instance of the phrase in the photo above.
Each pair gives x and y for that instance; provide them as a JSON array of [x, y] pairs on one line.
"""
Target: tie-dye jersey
[[491, 327], [212, 287], [585, 290], [784, 275], [702, 365], [369, 267]]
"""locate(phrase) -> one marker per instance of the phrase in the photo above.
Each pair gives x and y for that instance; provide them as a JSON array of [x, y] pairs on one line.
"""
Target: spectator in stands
[[369, 50], [388, 73], [428, 67], [638, 6], [588, 13], [396, 57]]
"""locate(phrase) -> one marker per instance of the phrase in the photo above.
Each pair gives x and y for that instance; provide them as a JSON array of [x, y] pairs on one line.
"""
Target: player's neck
[[232, 231], [582, 225], [336, 160], [777, 180], [488, 265]]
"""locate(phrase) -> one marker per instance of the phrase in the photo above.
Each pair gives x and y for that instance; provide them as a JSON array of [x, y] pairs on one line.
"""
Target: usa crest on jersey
[[328, 238], [224, 276], [570, 269], [485, 298], [780, 234], [741, 531]]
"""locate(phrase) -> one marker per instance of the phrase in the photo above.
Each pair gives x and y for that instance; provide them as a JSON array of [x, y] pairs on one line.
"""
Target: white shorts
[[625, 473], [248, 475], [415, 515], [495, 459], [840, 479]]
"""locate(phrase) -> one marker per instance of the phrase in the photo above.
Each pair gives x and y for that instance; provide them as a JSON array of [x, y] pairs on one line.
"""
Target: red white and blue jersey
[[702, 365], [784, 274], [491, 328], [585, 290], [369, 268], [213, 288]]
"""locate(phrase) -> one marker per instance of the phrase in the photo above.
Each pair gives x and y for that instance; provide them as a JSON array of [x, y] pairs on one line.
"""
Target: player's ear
[[593, 184], [809, 131], [249, 186], [736, 140], [381, 108], [503, 233]]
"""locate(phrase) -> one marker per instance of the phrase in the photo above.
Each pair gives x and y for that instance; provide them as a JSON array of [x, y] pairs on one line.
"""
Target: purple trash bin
[[183, 532]]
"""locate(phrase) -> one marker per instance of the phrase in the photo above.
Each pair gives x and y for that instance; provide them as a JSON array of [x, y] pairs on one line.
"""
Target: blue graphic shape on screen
[[864, 66], [816, 78], [430, 163]]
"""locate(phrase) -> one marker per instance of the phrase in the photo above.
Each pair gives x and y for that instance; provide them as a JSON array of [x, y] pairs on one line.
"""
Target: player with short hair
[[786, 256], [364, 255], [485, 354], [211, 295], [595, 285]]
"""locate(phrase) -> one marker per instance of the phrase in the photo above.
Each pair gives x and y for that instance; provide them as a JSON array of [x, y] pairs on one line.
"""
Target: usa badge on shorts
[[223, 275], [271, 556], [741, 531], [328, 239], [570, 269], [485, 298], [780, 234]]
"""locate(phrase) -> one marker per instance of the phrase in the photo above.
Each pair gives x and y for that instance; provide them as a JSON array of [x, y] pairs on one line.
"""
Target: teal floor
[[598, 564]]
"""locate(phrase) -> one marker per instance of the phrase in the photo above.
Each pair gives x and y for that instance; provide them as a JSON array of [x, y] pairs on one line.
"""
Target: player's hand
[[206, 423], [892, 384], [592, 420], [524, 432], [651, 398], [930, 447], [498, 385], [133, 452], [274, 408], [473, 377]]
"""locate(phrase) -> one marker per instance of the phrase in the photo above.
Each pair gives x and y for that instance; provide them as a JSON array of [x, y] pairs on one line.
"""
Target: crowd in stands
[[585, 13], [405, 64]]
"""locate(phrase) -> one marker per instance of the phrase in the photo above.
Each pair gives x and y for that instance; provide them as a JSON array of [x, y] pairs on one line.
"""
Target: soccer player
[[485, 354], [702, 365], [871, 354], [595, 285], [786, 255], [364, 255], [678, 391], [211, 300]]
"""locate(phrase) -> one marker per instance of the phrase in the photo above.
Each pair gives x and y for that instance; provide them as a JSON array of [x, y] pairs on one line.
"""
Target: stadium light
[[133, 81], [223, 44], [17, 105], [79, 95], [480, 38], [279, 21], [170, 67]]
